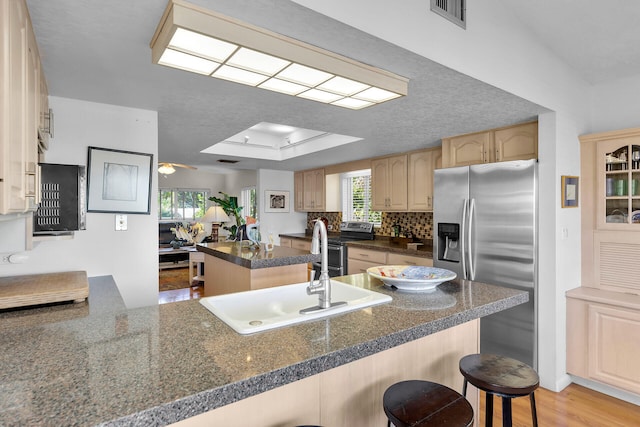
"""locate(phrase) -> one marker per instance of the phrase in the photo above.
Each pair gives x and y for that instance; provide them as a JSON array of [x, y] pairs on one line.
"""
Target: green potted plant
[[230, 206]]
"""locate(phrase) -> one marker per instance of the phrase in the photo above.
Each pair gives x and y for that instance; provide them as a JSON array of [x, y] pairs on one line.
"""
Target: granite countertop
[[99, 363], [256, 257], [381, 243]]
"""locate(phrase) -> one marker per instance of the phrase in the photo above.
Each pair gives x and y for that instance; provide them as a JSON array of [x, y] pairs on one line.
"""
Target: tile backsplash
[[419, 223]]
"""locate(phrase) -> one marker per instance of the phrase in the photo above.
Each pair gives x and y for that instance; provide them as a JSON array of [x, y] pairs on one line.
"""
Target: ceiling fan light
[[186, 62], [166, 169], [239, 75], [256, 61], [201, 45]]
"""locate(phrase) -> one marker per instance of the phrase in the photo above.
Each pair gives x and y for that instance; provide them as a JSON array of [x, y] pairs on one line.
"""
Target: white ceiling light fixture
[[195, 39]]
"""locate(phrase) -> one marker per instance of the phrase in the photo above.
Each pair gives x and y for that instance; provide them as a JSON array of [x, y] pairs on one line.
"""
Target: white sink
[[264, 309]]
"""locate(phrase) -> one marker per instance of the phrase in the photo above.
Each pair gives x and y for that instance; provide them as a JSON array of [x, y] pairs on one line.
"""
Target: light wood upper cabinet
[[20, 83], [420, 178], [389, 183], [466, 150], [518, 142], [313, 190]]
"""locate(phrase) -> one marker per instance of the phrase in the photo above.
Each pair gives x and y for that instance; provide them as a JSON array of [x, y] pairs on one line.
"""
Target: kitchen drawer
[[401, 259], [303, 245], [376, 257], [285, 241], [356, 266]]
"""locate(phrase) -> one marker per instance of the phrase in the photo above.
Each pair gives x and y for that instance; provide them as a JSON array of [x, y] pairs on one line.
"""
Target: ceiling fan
[[166, 168]]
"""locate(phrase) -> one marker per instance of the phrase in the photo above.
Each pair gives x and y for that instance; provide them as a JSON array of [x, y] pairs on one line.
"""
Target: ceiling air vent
[[453, 10]]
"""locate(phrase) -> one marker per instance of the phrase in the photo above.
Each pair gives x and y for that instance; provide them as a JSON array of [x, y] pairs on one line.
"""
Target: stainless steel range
[[349, 231]]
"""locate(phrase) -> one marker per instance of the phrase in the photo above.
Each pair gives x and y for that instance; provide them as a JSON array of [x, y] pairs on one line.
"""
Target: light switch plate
[[121, 222]]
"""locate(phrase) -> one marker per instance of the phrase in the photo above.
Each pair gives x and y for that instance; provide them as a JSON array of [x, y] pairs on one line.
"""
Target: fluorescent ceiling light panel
[[256, 61], [239, 75], [343, 86], [354, 104], [282, 86], [375, 94], [183, 61], [320, 95], [307, 76], [203, 46], [199, 40]]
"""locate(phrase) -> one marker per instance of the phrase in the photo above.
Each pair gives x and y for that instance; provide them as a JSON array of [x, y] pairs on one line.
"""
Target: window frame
[[174, 199], [346, 188]]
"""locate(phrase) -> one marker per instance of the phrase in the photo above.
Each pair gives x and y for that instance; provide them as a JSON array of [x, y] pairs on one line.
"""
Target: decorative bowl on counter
[[411, 277]]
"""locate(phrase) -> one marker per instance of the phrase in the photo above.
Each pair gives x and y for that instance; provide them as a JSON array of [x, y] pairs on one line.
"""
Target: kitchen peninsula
[[100, 363], [236, 266]]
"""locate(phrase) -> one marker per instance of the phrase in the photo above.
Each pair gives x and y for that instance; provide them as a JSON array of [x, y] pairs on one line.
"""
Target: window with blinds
[[356, 198]]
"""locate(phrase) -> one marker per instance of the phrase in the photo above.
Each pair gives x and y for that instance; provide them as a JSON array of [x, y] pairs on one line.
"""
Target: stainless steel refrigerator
[[485, 229]]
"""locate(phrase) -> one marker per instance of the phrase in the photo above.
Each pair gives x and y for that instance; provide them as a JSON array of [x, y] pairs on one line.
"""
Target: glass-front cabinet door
[[619, 183]]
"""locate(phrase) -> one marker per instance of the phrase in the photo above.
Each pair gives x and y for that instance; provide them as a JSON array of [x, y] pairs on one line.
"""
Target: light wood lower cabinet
[[603, 337], [351, 394], [359, 260], [224, 277], [285, 241], [303, 245], [400, 259]]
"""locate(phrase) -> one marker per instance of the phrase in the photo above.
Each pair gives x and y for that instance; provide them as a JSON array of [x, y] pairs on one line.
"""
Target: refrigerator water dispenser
[[448, 242]]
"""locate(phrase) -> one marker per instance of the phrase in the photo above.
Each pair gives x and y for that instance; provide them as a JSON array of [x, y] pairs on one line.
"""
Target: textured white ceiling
[[99, 51]]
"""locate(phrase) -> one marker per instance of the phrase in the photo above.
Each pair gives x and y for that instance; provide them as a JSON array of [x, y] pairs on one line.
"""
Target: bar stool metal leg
[[534, 414], [506, 412], [488, 412]]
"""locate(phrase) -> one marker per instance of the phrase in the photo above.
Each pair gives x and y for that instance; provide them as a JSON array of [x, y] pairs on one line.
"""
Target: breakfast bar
[[99, 363]]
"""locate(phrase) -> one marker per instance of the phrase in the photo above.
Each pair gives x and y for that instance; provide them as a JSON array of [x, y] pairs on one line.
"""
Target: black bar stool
[[418, 403], [502, 376]]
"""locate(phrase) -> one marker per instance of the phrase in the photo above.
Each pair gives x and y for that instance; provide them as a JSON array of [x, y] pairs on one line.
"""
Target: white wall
[[193, 179], [129, 256], [497, 49], [615, 105], [278, 223]]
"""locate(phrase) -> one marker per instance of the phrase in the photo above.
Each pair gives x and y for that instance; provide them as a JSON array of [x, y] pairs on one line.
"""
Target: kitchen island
[[236, 266], [98, 362]]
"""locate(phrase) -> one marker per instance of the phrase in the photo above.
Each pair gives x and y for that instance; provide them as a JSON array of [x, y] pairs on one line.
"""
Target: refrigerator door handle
[[472, 208], [463, 252]]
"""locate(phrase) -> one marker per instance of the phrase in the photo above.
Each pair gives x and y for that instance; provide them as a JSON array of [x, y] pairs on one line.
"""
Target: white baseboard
[[608, 390]]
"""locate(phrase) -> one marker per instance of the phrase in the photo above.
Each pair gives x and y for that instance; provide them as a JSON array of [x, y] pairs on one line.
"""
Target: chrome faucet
[[323, 286]]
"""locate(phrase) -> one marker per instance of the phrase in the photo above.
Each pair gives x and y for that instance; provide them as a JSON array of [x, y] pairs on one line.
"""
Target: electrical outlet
[[121, 223]]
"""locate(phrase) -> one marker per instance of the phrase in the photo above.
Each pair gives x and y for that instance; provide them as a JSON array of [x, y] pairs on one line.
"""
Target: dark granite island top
[[258, 257], [100, 363]]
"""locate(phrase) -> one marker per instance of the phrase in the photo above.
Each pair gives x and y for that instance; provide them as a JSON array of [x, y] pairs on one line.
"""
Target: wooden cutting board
[[33, 289]]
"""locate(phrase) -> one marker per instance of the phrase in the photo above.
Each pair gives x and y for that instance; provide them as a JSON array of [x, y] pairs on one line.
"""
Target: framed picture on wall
[[118, 181], [276, 201], [570, 191]]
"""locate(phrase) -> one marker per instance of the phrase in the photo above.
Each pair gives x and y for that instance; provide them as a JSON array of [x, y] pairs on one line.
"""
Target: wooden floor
[[193, 292], [575, 406]]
